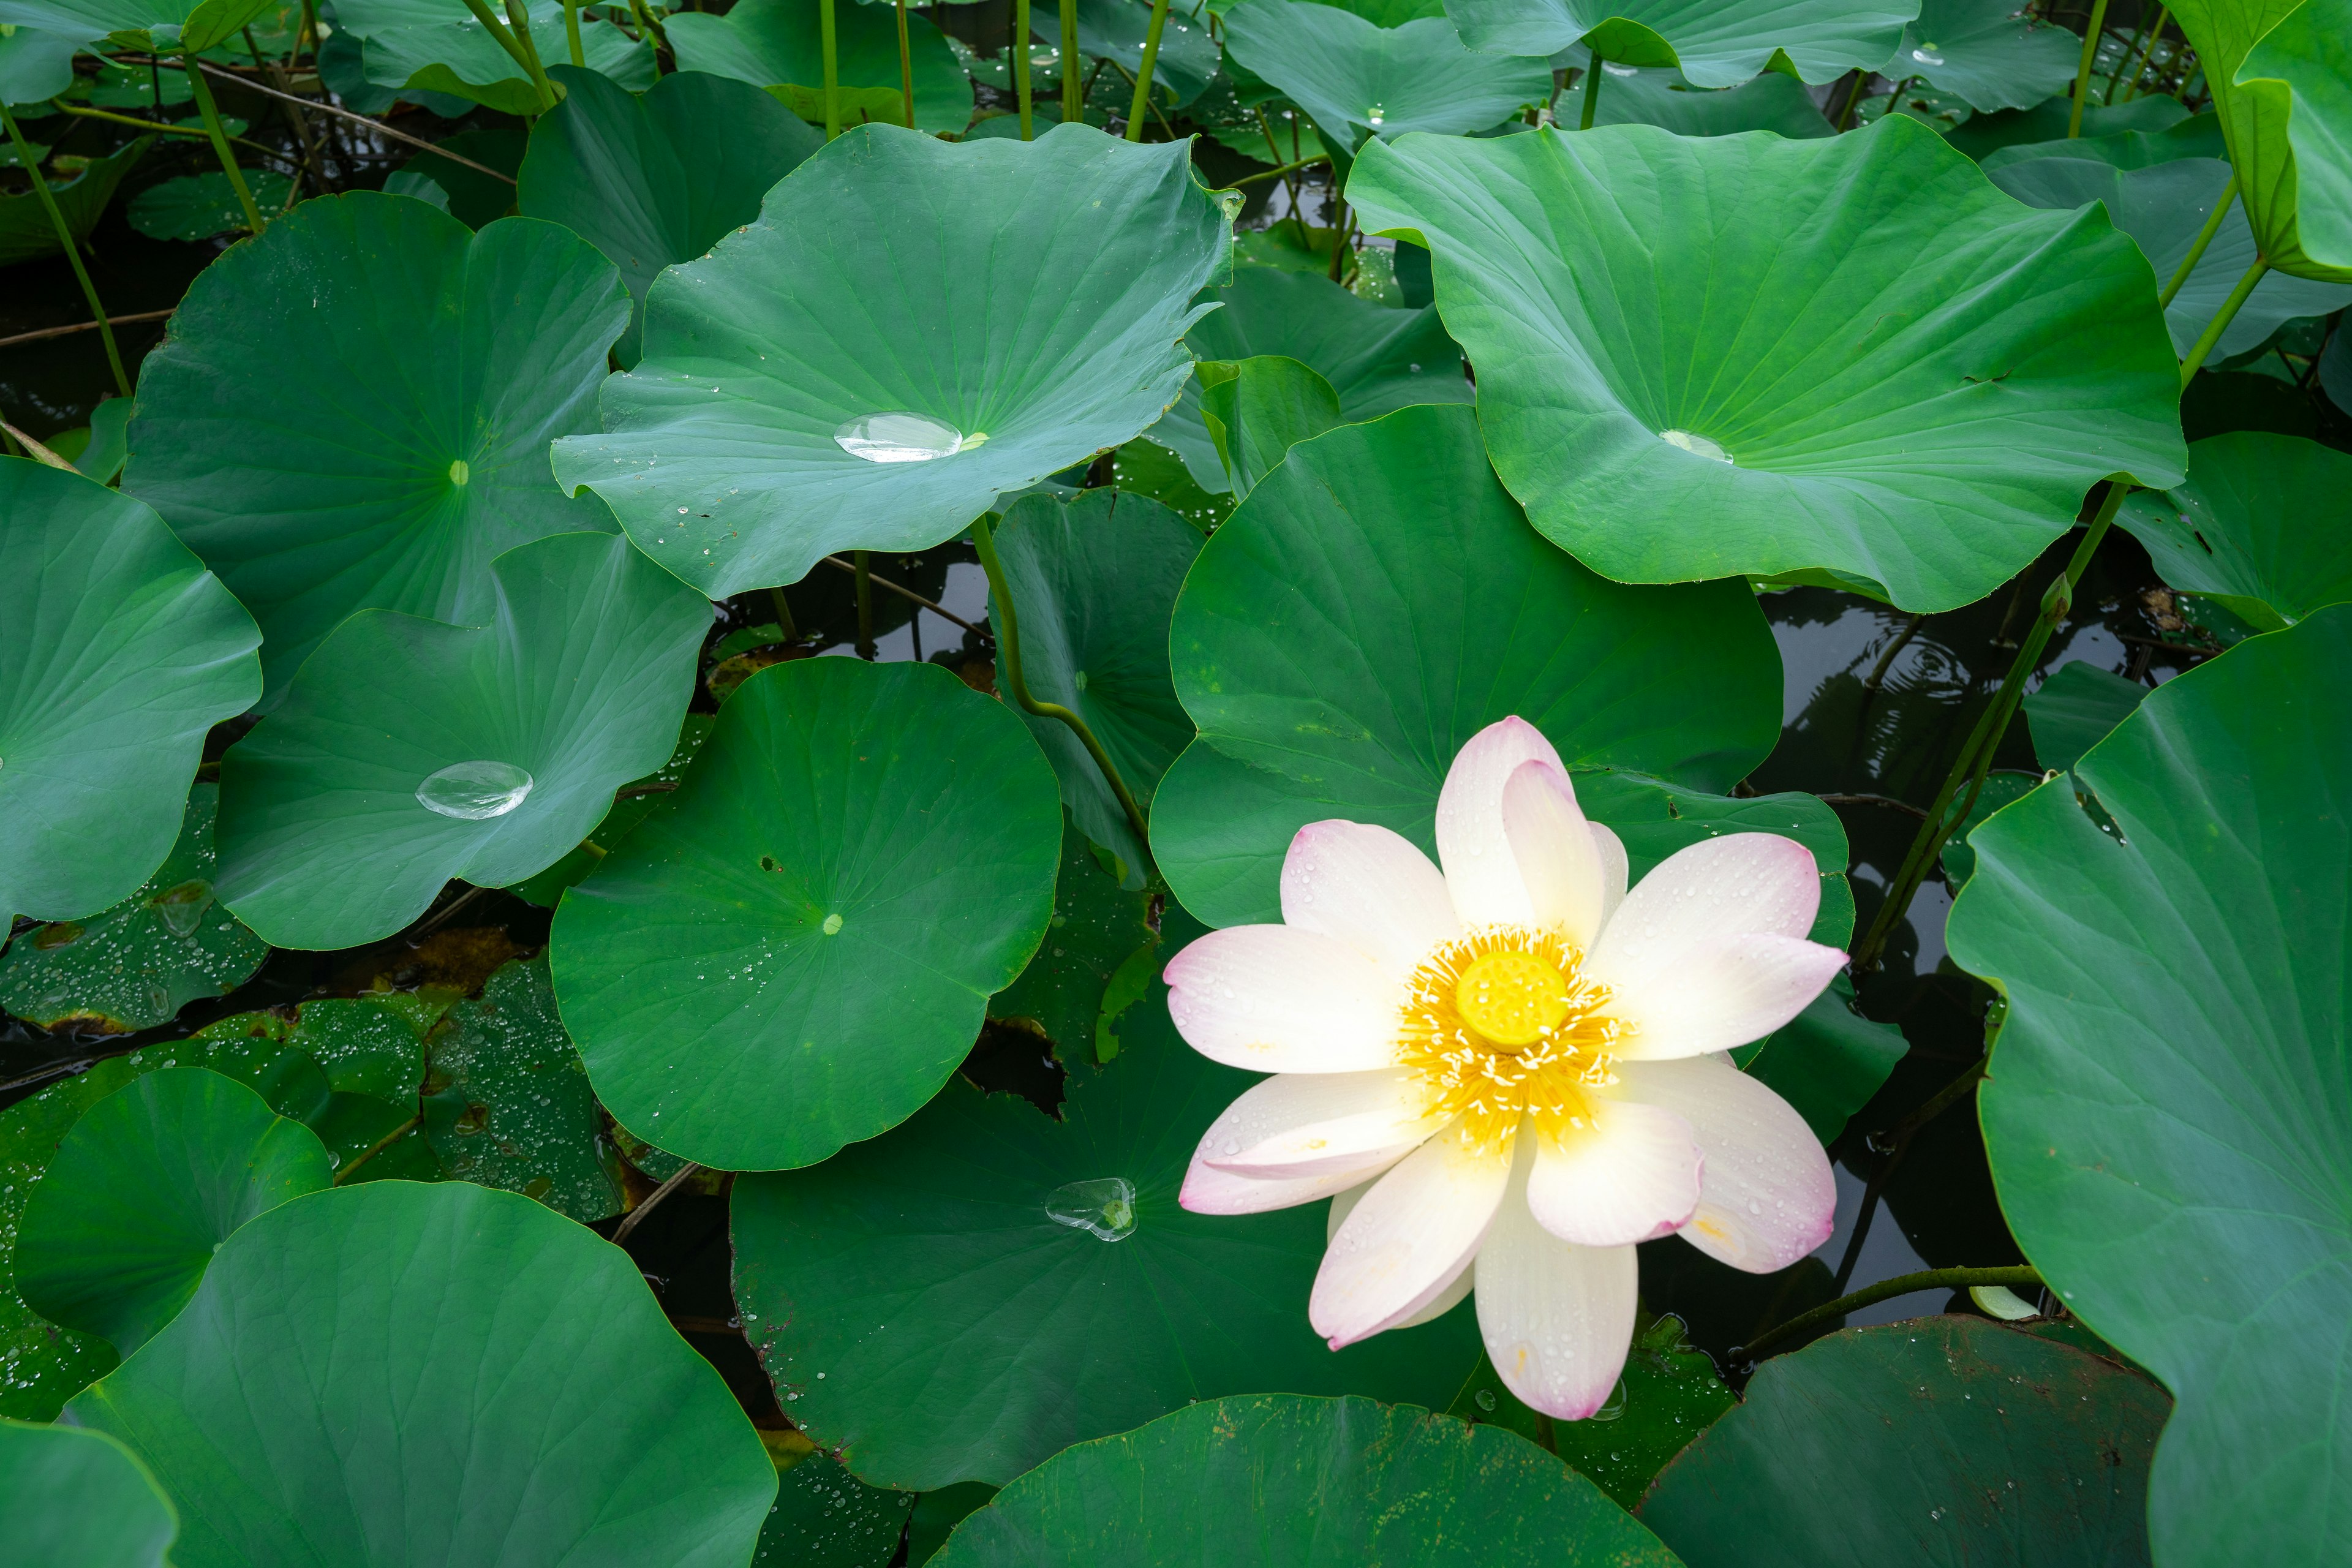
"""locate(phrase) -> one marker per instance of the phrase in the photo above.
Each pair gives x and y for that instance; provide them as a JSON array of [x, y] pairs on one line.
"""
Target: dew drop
[[901, 438], [1698, 446], [181, 908], [1106, 1207], [1926, 55], [1485, 1398], [1376, 117], [471, 792]]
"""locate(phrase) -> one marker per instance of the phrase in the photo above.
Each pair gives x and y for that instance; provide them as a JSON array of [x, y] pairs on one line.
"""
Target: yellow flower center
[[1500, 1025]]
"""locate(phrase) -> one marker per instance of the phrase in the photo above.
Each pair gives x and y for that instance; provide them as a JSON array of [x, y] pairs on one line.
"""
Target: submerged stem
[[1886, 1289], [2222, 205], [2220, 322], [212, 128], [31, 167], [2083, 72], [1143, 71]]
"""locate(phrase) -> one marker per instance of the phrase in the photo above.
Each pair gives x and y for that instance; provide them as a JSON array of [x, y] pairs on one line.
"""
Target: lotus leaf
[[166, 25], [1988, 53], [1377, 358], [437, 46], [34, 66], [2073, 711], [80, 1500], [1115, 30], [1665, 99], [1256, 409], [2264, 525], [776, 43], [25, 231], [198, 207], [1716, 43], [1362, 81]]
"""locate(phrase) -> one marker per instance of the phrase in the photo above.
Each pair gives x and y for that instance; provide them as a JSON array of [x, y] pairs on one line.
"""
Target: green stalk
[[2082, 71], [518, 17], [2229, 198], [1021, 64], [864, 578], [905, 68], [505, 40], [832, 69], [572, 33], [2140, 35], [211, 111], [1975, 759], [1887, 1289], [1074, 102], [1008, 649], [1592, 92], [1143, 73], [2220, 322], [379, 1146], [784, 622], [2154, 36]]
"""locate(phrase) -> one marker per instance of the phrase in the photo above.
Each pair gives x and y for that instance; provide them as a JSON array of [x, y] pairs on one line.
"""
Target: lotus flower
[[1522, 1059]]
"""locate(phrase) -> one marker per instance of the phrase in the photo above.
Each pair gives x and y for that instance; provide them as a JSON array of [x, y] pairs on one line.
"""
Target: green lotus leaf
[[775, 44], [348, 1068], [1115, 30], [1457, 614], [471, 196], [137, 965], [1093, 581], [2196, 138], [409, 751], [117, 652], [107, 445], [1377, 358], [1381, 81], [1308, 1483], [861, 856], [80, 1500], [1984, 134], [2276, 69], [2073, 711], [1830, 1059], [2259, 526], [507, 1103], [826, 1518], [1962, 1441], [660, 177], [1987, 53], [387, 473], [1958, 857], [198, 207], [34, 66], [629, 807], [1665, 99], [2165, 1115], [166, 25], [2163, 207], [1717, 42], [142, 1192], [1100, 939], [25, 231], [987, 1284], [1256, 410], [437, 46], [1029, 321], [404, 1374], [1727, 412]]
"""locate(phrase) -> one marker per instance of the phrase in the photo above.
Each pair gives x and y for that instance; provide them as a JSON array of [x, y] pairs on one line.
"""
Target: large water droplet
[[1928, 55], [181, 908], [901, 438], [1613, 68], [473, 791], [1376, 117], [1104, 1206], [1698, 445]]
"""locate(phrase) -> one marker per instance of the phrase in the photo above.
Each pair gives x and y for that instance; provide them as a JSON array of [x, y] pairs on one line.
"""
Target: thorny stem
[[2091, 37], [2222, 205], [204, 95], [1143, 71], [1008, 648], [377, 126], [2163, 15], [31, 167], [1282, 173], [2220, 322], [518, 14], [887, 586], [1895, 644], [2138, 35], [1887, 1289]]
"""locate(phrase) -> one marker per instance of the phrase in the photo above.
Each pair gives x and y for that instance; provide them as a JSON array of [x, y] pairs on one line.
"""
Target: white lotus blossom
[[1509, 1072]]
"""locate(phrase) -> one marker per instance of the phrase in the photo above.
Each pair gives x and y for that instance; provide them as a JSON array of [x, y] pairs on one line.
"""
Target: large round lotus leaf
[[1717, 42], [970, 319], [966, 1297], [147, 1185], [2162, 207], [2168, 1114], [137, 965], [118, 651], [437, 46], [1704, 357], [1377, 358], [1306, 1483], [352, 411], [34, 66], [1457, 614], [1356, 79], [2264, 525], [1954, 1440], [1665, 99], [1988, 53], [659, 177], [409, 751], [165, 24], [779, 44], [1093, 581], [79, 1500], [2278, 71], [399, 1375], [796, 948]]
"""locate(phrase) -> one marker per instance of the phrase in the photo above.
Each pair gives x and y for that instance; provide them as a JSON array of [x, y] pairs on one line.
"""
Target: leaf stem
[[203, 92], [906, 68], [1074, 99], [1886, 1289], [505, 40], [31, 167], [1591, 91], [572, 33], [1008, 646], [1284, 172], [379, 1146], [828, 39], [518, 14], [2220, 322], [2083, 72], [2222, 205], [1020, 67], [1143, 71], [784, 622], [865, 604]]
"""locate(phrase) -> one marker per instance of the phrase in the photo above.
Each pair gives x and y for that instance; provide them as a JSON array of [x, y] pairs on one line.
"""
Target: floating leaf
[[2196, 138], [80, 1500], [1359, 80], [1667, 100], [2276, 70], [388, 472], [1958, 857], [1987, 52], [137, 965], [629, 807], [409, 751], [437, 46], [1098, 932], [1829, 1061], [910, 328], [826, 1518], [474, 198], [1256, 409], [773, 44], [118, 651], [144, 1191], [796, 948], [1957, 1441], [2165, 1113], [1717, 42], [2073, 711], [2251, 528], [359, 1350], [1308, 1483], [1935, 424], [661, 178], [25, 231], [1986, 134], [1377, 358], [198, 207]]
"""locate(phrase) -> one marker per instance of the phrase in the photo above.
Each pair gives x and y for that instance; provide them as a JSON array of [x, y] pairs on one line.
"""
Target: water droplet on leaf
[[1104, 1206], [474, 791], [900, 438]]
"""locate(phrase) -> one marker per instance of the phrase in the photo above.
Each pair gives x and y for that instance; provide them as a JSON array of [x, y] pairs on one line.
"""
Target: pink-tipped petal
[[1766, 1197], [1208, 1190], [1448, 1296], [1614, 867], [1322, 1123], [1632, 1175], [1557, 1318], [1725, 991], [1740, 884], [1275, 999], [1369, 888], [1555, 850], [1407, 1240], [1473, 845]]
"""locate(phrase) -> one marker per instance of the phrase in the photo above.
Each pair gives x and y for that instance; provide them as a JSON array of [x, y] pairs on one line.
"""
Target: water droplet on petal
[[900, 438], [474, 791]]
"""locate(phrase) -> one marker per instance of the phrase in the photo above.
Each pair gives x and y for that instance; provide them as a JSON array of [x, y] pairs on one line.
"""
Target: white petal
[[1273, 999], [1472, 844], [1614, 867], [1732, 886], [1557, 1318], [1369, 887], [1444, 1302], [1208, 1190], [1632, 1175], [1407, 1240], [1766, 1197], [1554, 849], [1321, 1123], [1725, 991]]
